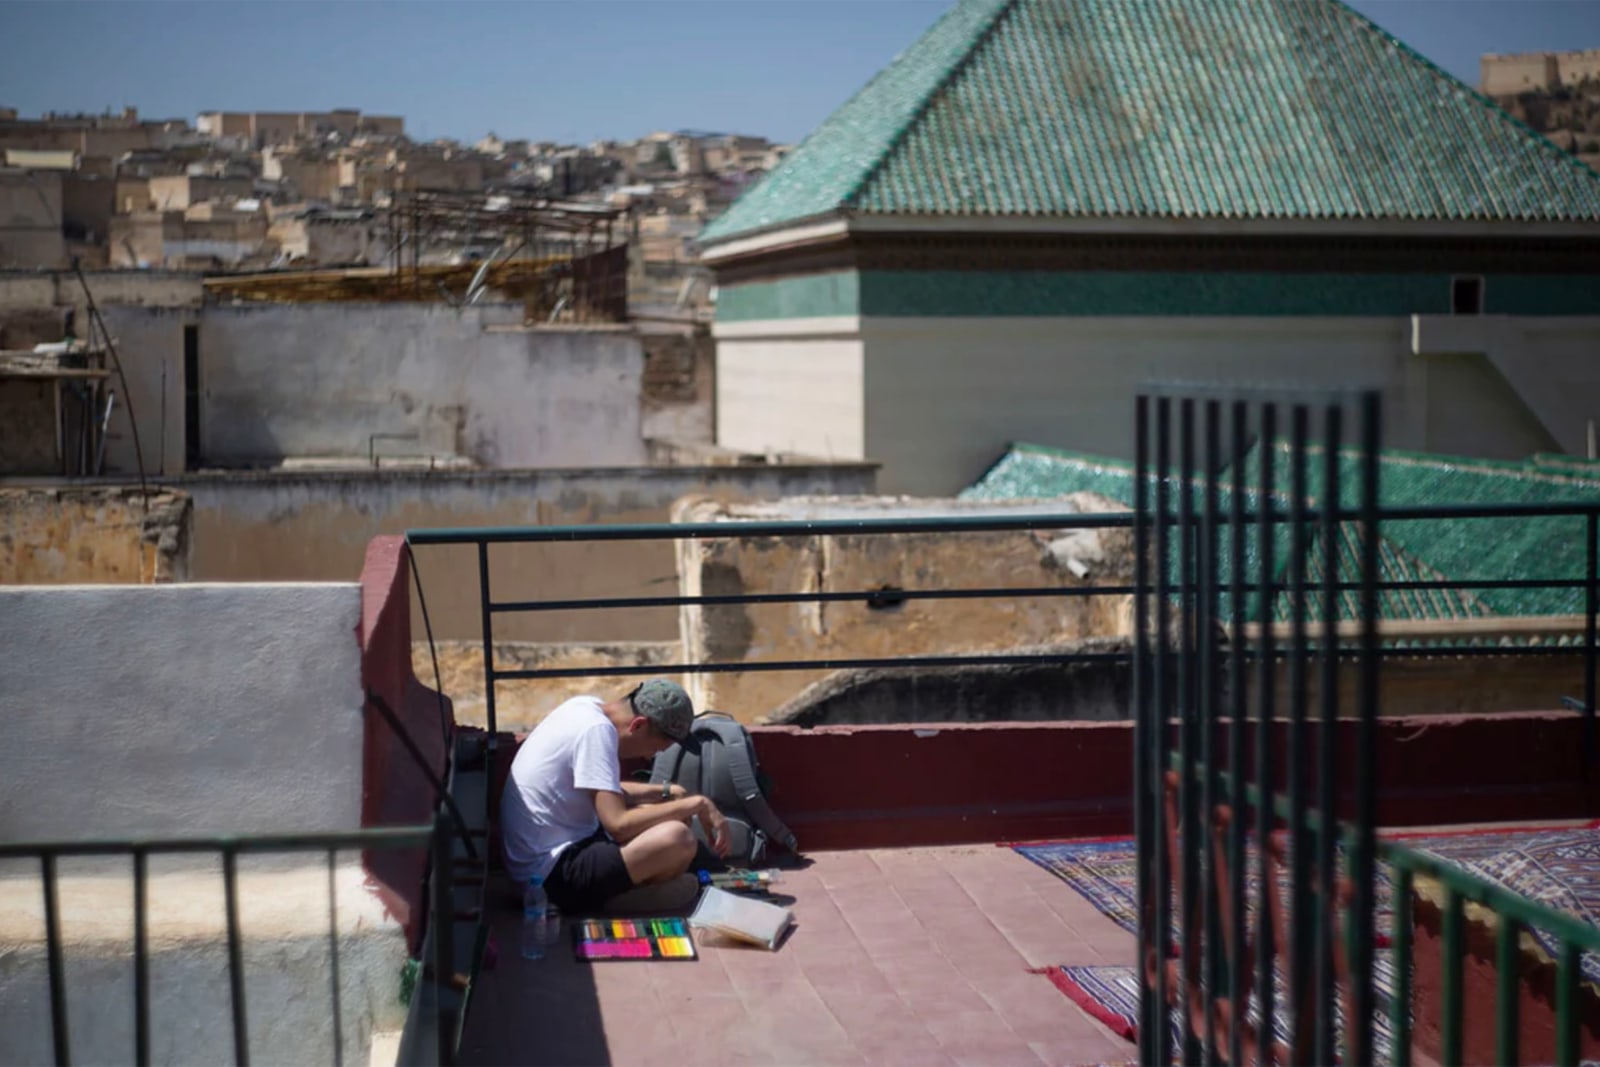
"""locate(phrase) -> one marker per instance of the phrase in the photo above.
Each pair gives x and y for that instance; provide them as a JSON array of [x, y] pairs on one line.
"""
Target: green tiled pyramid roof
[[1546, 548], [1288, 109]]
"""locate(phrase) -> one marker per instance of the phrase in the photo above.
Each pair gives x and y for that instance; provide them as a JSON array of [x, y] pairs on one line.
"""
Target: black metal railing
[[1277, 581], [1500, 636], [1570, 940], [1257, 895], [229, 848]]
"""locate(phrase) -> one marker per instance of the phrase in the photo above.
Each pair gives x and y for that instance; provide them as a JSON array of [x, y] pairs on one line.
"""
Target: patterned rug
[[1559, 867], [1105, 871], [1111, 995]]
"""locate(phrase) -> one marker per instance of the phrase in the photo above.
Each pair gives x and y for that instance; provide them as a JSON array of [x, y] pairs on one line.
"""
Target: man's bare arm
[[649, 793], [625, 823]]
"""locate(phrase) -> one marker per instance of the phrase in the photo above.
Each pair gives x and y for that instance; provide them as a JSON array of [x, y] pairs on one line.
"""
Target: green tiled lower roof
[[1297, 109], [1546, 547]]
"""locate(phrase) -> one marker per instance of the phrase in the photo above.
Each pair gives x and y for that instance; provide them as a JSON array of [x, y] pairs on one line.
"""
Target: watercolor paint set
[[740, 881], [596, 940]]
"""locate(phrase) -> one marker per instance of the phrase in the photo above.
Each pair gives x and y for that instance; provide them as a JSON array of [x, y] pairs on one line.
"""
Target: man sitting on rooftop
[[568, 817]]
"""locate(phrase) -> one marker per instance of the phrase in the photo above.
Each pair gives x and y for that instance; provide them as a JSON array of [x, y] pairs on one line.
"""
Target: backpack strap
[[664, 768], [744, 780]]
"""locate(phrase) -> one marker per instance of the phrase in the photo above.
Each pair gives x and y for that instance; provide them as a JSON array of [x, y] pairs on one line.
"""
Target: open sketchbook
[[741, 918]]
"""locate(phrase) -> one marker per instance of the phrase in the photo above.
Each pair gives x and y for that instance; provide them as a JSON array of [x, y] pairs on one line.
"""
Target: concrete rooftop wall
[[179, 710], [186, 711], [939, 399], [316, 525], [321, 379]]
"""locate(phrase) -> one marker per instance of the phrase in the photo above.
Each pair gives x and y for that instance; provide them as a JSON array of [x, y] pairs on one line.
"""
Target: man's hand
[[716, 827]]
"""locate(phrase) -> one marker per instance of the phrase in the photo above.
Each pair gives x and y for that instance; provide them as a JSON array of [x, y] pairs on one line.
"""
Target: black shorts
[[589, 872]]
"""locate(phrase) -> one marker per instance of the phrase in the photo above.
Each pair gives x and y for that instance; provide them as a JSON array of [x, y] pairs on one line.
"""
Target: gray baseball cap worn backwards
[[666, 704]]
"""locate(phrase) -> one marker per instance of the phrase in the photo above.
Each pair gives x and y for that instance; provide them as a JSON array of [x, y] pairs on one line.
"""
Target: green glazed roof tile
[[1540, 547], [1234, 109]]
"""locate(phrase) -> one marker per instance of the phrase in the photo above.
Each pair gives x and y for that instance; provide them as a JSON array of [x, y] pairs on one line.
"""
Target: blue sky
[[569, 70]]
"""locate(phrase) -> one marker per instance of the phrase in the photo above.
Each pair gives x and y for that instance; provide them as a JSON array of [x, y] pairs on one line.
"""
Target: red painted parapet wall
[[871, 786], [841, 787], [394, 789]]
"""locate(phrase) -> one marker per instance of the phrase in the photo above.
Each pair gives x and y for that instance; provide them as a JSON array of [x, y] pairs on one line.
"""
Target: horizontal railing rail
[[986, 523], [1475, 635], [229, 848]]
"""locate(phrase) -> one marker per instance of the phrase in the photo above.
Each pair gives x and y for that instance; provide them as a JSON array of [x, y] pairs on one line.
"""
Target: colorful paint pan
[[595, 940]]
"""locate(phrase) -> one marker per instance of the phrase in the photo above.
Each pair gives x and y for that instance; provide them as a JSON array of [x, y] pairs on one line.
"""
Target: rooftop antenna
[[127, 395]]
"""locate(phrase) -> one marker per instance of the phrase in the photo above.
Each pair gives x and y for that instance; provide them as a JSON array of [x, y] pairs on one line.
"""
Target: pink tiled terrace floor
[[903, 956]]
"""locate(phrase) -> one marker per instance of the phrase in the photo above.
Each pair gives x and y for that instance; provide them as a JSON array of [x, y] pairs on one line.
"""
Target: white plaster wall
[[944, 397], [1555, 364], [186, 711], [791, 394], [940, 399], [1472, 410], [320, 379], [179, 710]]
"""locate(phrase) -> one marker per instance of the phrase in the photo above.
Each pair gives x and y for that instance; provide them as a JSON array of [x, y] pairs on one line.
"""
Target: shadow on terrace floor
[[916, 956]]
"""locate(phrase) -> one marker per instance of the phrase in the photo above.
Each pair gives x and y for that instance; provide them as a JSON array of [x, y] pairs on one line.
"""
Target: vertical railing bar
[[1238, 983], [1187, 794], [1450, 1024], [230, 885], [444, 956], [1505, 992], [1400, 940], [1567, 1005], [333, 956], [488, 637], [1148, 1014], [1366, 800], [1211, 931], [1159, 740], [1298, 754], [1266, 669], [1590, 607], [55, 962], [1328, 739], [141, 959]]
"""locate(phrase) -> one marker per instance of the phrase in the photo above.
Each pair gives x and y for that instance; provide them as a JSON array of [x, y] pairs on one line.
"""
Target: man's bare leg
[[660, 853]]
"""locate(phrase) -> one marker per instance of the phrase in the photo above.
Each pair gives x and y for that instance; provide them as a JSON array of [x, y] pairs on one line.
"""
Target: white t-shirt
[[544, 808]]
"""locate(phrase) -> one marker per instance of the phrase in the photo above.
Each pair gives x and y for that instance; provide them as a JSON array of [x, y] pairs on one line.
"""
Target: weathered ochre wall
[[96, 535], [853, 630]]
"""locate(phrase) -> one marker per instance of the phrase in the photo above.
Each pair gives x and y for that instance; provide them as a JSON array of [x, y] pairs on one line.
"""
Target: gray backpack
[[719, 761]]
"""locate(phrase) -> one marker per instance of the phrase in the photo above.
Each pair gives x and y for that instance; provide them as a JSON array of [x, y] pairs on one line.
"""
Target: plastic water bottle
[[535, 913], [552, 923]]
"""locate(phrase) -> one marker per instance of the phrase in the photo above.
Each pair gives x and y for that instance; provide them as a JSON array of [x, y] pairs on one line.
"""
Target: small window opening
[[885, 598], [1466, 296]]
